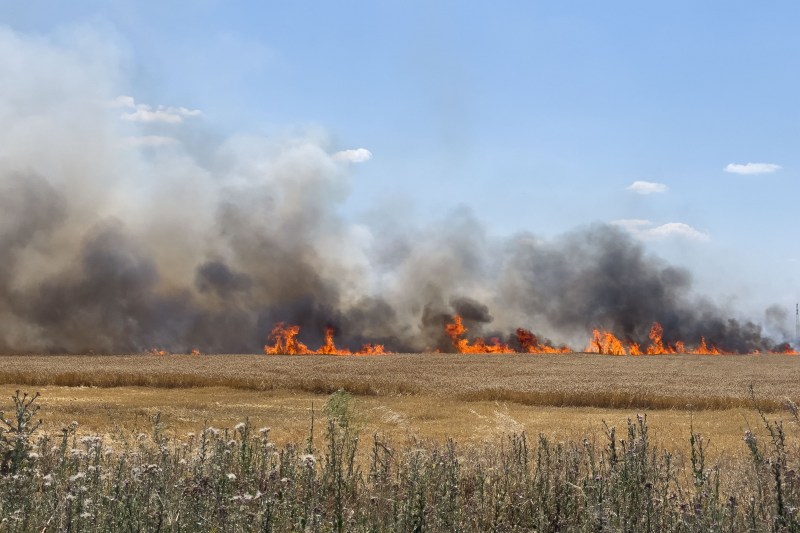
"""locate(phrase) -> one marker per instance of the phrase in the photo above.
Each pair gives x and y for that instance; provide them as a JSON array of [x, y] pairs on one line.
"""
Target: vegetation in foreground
[[237, 479]]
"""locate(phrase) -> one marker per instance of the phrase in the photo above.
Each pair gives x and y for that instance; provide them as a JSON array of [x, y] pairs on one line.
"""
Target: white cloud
[[123, 101], [752, 168], [647, 187], [150, 140], [645, 230], [357, 155], [146, 113]]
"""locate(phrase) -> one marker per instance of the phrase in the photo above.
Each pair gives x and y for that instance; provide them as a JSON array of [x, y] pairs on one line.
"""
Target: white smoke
[[127, 232]]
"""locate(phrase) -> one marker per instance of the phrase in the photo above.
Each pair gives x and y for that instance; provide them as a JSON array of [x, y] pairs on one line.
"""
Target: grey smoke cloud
[[111, 246]]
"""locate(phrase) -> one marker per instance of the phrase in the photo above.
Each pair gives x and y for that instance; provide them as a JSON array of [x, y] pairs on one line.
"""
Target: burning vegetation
[[285, 342]]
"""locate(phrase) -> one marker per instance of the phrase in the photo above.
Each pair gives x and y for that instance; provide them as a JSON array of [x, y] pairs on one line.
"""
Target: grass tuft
[[238, 479], [620, 399]]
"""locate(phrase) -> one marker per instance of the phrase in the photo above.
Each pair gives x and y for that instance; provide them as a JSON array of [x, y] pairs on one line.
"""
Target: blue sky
[[539, 116]]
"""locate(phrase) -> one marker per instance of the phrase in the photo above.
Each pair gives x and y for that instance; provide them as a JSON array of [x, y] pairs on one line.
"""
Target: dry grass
[[622, 399], [126, 411], [178, 380], [662, 382], [432, 396]]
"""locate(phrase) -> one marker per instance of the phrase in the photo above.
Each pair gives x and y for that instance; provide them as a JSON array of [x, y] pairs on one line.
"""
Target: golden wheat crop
[[659, 382], [431, 396]]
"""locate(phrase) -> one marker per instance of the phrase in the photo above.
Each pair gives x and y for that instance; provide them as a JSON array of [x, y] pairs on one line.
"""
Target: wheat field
[[571, 379], [416, 396]]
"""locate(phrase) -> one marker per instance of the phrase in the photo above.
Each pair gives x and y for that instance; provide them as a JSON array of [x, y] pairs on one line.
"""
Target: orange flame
[[706, 349], [456, 330], [657, 340], [605, 342], [786, 349], [530, 343], [789, 351], [285, 342]]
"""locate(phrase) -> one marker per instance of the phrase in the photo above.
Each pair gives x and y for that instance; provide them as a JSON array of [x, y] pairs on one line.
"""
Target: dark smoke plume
[[121, 237]]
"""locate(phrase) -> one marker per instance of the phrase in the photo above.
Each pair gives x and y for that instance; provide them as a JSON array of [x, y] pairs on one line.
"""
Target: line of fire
[[285, 341]]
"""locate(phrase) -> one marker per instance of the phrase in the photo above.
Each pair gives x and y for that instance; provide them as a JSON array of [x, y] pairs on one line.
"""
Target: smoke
[[120, 236], [600, 277]]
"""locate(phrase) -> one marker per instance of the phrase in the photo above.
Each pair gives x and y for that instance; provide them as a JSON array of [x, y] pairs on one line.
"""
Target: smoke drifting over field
[[120, 236]]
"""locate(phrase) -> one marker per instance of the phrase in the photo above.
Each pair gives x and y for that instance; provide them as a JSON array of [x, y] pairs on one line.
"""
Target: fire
[[372, 349], [657, 341], [602, 342], [786, 349], [329, 348], [605, 342], [530, 343], [285, 342], [456, 332], [705, 349]]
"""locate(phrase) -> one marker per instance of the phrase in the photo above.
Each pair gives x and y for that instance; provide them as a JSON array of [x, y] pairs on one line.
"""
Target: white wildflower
[[91, 441], [76, 477], [240, 426], [308, 460], [231, 476]]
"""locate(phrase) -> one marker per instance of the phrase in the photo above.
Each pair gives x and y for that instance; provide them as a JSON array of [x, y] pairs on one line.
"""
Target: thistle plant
[[239, 480], [16, 432]]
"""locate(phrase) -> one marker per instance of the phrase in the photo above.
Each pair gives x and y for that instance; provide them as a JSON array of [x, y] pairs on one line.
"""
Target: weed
[[239, 480]]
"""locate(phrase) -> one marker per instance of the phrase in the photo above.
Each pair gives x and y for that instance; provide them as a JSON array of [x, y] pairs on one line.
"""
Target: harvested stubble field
[[428, 396]]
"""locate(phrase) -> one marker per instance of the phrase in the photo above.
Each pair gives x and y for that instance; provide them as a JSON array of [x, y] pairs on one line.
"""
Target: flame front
[[285, 342], [529, 343], [456, 332], [605, 342]]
